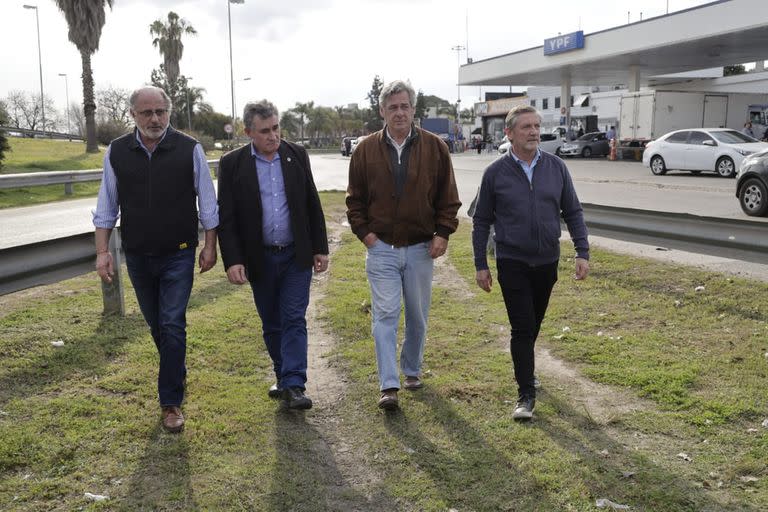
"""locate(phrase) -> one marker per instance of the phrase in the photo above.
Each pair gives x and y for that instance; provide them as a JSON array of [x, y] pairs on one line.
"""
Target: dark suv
[[752, 184]]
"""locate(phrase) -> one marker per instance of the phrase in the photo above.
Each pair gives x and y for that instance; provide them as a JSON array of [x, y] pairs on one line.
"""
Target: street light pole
[[40, 62], [231, 68], [458, 48], [233, 91], [66, 89]]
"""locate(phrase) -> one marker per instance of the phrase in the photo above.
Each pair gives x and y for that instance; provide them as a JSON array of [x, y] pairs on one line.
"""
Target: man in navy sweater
[[523, 195]]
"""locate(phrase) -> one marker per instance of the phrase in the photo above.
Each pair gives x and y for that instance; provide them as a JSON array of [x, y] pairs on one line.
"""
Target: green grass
[[83, 418], [35, 155]]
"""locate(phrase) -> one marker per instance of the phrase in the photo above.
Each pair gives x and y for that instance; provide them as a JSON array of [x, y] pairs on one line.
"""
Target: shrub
[[108, 131]]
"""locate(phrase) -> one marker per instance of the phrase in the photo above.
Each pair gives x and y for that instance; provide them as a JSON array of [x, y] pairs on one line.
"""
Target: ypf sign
[[564, 43]]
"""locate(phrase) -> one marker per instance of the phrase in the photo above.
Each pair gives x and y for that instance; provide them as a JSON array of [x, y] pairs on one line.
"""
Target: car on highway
[[549, 142], [700, 149], [589, 144], [357, 141], [346, 146], [752, 184]]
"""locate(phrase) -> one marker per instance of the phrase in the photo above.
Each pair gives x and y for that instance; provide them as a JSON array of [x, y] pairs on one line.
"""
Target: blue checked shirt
[[275, 217], [107, 206]]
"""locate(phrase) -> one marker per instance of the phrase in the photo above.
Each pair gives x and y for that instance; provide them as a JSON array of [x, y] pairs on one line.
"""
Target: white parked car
[[550, 143], [700, 149], [357, 141]]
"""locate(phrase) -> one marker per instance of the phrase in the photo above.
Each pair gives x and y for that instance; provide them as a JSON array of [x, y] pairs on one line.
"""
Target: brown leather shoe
[[413, 383], [388, 400], [173, 420]]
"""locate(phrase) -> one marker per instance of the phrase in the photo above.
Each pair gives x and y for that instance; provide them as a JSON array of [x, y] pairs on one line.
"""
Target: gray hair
[[135, 96], [396, 87], [511, 119], [264, 109]]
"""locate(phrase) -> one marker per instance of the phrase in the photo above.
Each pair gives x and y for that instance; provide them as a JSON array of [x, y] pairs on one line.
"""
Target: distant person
[[580, 133], [348, 146], [747, 130], [522, 196], [611, 133], [272, 236], [152, 177], [402, 203]]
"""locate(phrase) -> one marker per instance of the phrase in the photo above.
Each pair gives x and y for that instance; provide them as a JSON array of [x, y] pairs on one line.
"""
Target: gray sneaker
[[524, 408]]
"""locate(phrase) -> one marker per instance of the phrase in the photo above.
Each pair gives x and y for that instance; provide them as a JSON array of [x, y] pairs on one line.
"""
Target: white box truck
[[646, 115]]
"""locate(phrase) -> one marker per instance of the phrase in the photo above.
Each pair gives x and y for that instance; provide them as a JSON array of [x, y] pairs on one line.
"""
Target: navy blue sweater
[[525, 215]]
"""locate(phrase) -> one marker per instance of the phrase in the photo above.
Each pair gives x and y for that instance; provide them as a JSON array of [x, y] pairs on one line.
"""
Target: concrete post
[[113, 294], [565, 98], [68, 189]]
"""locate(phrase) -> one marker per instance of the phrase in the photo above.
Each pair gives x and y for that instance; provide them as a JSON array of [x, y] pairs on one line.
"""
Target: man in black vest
[[152, 178], [272, 234]]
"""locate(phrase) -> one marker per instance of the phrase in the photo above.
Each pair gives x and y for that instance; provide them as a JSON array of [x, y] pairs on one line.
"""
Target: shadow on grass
[[466, 475], [306, 475], [651, 488], [85, 356], [162, 478]]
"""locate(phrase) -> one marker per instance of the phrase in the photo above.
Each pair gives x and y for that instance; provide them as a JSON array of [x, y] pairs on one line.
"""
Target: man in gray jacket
[[523, 195]]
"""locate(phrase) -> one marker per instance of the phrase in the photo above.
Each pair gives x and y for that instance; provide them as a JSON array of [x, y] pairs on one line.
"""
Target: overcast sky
[[326, 51]]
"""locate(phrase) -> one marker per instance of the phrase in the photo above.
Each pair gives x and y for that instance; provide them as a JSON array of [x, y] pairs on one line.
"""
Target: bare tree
[[77, 117], [24, 111], [113, 105]]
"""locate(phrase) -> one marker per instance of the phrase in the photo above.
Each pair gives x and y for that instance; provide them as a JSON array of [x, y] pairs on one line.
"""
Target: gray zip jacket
[[526, 215]]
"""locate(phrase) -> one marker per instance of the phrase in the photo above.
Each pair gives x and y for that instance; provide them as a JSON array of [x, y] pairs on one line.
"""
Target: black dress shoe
[[275, 391], [295, 398]]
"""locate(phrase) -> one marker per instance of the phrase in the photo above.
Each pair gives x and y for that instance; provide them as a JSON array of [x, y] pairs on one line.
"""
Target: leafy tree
[[211, 123], [86, 19], [421, 106], [322, 123], [374, 122], [738, 69], [168, 41], [289, 124]]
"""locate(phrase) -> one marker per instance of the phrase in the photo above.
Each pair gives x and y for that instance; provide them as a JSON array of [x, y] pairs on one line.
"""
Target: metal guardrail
[[39, 133], [54, 260], [66, 178], [741, 235]]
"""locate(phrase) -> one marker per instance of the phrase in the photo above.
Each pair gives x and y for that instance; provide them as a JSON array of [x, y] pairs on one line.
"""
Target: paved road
[[597, 181]]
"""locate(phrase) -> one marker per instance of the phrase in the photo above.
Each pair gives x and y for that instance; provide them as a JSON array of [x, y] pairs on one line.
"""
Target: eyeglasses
[[147, 114]]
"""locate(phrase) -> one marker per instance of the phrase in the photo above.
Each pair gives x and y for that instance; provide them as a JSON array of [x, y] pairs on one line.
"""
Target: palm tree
[[86, 19], [304, 109], [168, 41]]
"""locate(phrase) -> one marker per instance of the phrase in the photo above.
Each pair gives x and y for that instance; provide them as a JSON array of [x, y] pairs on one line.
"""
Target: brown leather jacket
[[430, 199]]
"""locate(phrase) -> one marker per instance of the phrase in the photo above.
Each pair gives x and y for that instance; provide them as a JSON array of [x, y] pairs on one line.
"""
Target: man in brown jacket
[[401, 203]]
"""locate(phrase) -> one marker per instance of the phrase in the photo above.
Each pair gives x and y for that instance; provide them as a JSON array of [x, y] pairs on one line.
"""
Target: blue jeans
[[395, 273], [163, 284], [281, 294]]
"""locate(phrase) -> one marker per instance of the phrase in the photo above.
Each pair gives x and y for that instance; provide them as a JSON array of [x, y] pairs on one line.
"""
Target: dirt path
[[600, 402], [357, 487]]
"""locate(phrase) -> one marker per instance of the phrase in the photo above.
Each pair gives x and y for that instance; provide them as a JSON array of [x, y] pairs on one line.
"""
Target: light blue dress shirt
[[108, 207], [275, 216], [527, 169]]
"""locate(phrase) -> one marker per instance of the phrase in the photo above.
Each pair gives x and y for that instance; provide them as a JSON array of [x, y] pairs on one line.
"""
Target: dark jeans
[[526, 293], [163, 284], [281, 294]]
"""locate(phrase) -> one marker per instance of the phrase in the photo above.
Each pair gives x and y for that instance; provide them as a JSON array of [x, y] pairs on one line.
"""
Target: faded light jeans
[[394, 274]]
